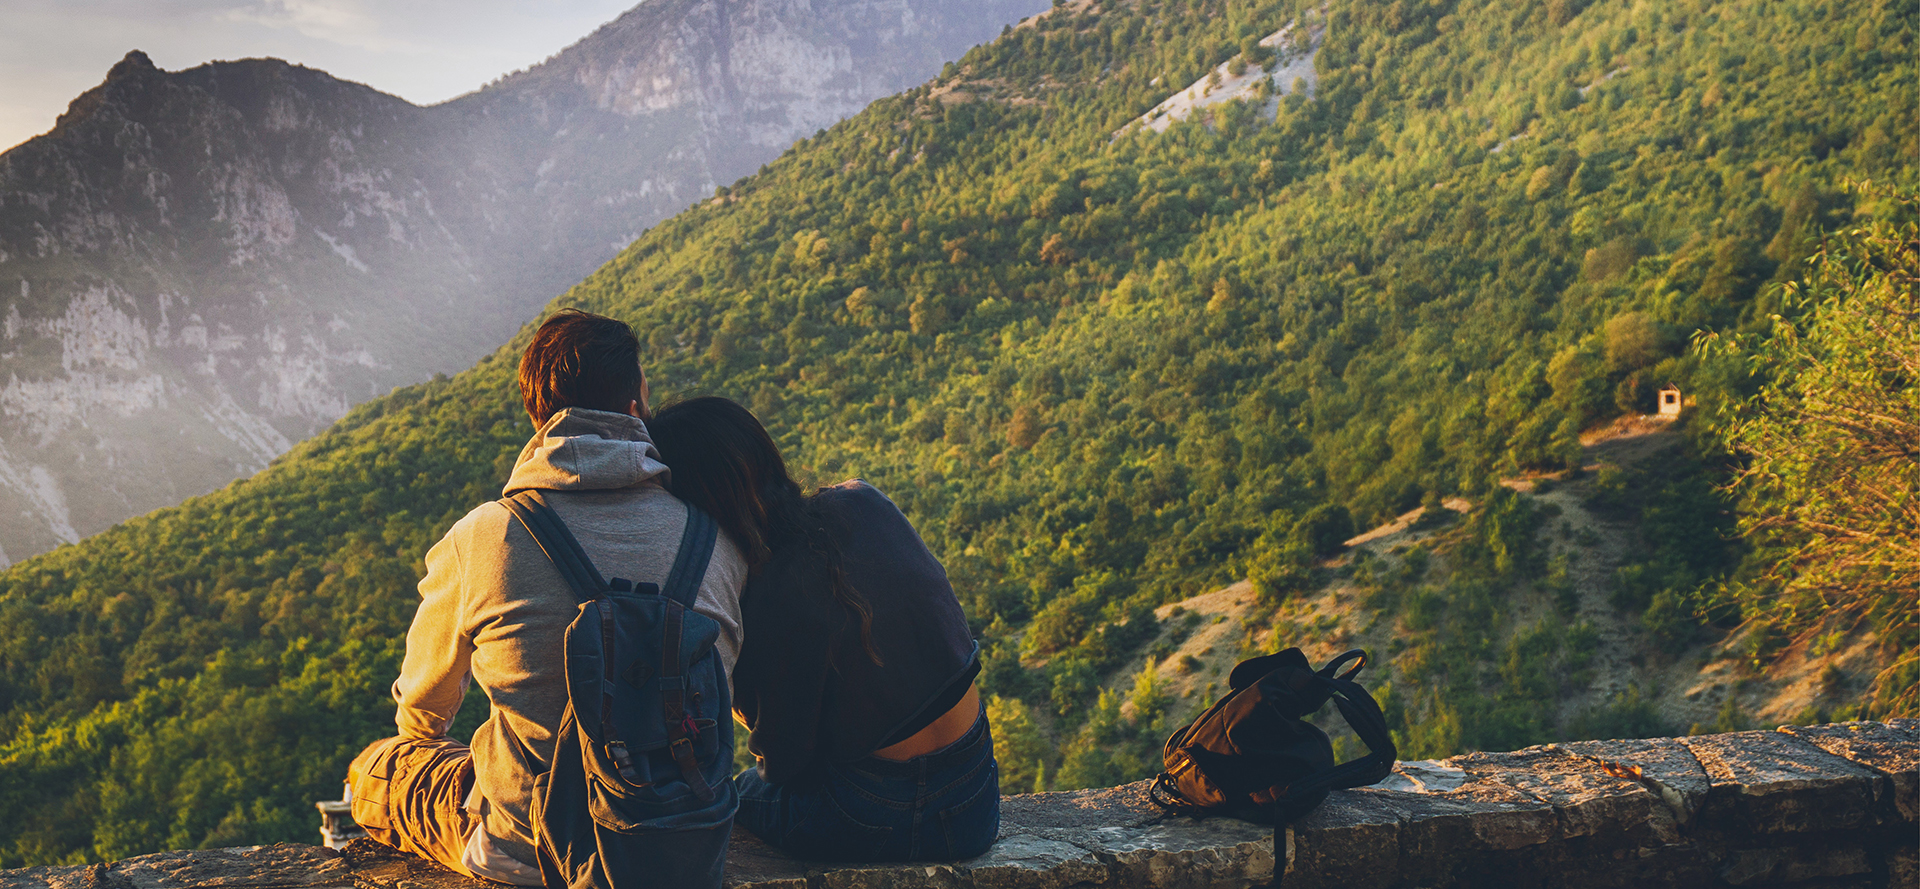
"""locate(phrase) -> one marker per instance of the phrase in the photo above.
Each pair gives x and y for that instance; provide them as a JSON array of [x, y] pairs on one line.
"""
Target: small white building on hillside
[[1670, 401]]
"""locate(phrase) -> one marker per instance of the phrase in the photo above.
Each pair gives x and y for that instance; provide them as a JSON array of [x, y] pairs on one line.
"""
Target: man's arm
[[719, 598], [433, 679]]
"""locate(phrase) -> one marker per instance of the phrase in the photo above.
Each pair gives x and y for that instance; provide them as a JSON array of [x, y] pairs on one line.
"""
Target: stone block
[[247, 867], [1423, 776], [1112, 837], [1663, 765], [73, 876], [1794, 864], [1681, 865], [754, 863], [1475, 818], [1498, 817], [1352, 840], [1373, 837], [1903, 865], [1882, 748], [1591, 796], [1773, 782], [383, 867]]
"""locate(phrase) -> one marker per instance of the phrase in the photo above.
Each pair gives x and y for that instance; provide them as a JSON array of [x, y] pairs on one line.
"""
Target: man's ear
[[636, 410], [640, 408]]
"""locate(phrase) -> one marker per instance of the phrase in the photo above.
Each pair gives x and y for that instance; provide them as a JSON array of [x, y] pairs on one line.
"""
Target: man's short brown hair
[[579, 359]]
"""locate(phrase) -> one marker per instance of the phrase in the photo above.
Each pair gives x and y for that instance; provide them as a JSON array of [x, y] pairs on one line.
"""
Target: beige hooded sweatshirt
[[492, 607]]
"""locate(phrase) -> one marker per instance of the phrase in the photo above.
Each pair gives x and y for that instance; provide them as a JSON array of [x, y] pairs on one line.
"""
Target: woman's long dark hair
[[725, 463]]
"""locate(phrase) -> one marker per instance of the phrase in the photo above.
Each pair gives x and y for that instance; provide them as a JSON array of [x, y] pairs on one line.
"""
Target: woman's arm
[[782, 680]]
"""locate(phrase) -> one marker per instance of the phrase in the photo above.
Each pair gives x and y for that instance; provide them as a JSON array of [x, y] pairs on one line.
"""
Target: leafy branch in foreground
[[1832, 481]]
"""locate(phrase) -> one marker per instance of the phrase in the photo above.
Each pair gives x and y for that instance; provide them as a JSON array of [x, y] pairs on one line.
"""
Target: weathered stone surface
[[282, 866], [382, 867], [1676, 866], [1111, 837], [1761, 867], [1622, 810], [754, 863], [1882, 748], [1772, 782], [1663, 765], [1903, 867], [1587, 798], [1819, 806], [1480, 814], [1351, 840], [78, 876], [1423, 776], [1383, 837]]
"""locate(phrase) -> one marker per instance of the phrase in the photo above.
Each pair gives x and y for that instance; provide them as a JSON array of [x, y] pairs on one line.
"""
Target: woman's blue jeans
[[943, 806]]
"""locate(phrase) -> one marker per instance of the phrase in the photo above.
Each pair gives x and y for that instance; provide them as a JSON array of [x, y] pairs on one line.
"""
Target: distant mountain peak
[[133, 64], [128, 74]]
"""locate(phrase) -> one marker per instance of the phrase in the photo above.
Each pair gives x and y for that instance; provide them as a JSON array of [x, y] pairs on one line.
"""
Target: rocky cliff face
[[199, 268], [656, 108], [203, 267]]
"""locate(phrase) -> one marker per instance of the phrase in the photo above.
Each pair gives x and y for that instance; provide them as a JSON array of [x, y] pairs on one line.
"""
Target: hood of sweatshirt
[[587, 450]]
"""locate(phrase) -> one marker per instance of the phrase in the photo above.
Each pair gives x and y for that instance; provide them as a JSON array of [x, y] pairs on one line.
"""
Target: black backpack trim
[[1311, 689]]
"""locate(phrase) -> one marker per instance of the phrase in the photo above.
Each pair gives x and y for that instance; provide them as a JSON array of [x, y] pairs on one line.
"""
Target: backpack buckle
[[622, 761], [682, 750]]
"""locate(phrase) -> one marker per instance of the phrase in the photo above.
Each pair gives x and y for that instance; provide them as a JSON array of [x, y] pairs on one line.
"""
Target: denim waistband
[[958, 753]]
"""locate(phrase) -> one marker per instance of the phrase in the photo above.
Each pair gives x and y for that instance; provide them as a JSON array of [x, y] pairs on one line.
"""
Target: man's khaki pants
[[411, 794]]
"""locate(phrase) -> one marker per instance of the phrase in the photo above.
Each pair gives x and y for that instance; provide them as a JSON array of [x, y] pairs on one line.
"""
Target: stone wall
[[1831, 805], [1820, 806]]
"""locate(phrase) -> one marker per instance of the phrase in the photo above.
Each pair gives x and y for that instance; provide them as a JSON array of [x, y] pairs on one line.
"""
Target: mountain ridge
[[353, 241]]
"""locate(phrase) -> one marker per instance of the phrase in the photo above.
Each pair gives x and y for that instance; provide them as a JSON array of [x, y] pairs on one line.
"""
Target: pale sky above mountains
[[424, 51]]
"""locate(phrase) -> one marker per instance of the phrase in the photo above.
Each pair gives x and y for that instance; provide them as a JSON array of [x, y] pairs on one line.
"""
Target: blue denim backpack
[[639, 791]]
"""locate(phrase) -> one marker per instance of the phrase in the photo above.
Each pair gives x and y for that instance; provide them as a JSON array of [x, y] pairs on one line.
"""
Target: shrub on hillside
[[1832, 486], [1324, 530]]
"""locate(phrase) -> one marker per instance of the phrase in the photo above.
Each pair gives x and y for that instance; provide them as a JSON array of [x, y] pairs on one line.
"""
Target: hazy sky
[[421, 50]]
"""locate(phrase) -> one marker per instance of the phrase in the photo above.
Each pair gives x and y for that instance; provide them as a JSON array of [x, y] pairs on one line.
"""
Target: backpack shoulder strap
[[683, 587], [1363, 714], [531, 508], [690, 565]]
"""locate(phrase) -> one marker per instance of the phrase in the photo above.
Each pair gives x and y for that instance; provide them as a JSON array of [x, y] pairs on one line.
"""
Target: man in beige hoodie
[[494, 610]]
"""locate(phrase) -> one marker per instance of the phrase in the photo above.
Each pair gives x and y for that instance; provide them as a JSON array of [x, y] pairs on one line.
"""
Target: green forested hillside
[[1100, 373]]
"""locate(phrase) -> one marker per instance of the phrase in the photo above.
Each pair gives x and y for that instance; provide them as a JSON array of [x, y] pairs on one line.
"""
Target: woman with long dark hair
[[856, 678]]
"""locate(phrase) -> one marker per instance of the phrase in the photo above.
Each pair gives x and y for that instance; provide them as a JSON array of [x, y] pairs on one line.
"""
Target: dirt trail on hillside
[[1204, 636]]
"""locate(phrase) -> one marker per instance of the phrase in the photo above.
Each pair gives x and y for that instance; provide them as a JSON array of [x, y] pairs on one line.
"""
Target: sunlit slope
[[1099, 374]]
